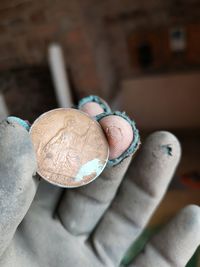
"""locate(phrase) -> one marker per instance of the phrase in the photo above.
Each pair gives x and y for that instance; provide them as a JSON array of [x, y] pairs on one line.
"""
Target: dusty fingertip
[[119, 134], [165, 143], [92, 109], [23, 123], [93, 105], [191, 216], [122, 135]]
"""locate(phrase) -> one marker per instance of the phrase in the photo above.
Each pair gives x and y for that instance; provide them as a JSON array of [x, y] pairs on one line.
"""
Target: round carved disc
[[71, 148]]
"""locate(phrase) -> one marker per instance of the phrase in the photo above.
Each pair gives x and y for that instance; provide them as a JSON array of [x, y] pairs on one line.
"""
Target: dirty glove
[[94, 225]]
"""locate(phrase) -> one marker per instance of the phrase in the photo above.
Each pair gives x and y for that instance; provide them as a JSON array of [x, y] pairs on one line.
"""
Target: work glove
[[42, 225]]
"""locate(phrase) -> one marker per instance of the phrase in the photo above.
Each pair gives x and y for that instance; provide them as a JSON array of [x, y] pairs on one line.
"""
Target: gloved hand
[[90, 226]]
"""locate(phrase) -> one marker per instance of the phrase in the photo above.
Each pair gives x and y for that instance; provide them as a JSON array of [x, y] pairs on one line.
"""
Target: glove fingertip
[[21, 122]]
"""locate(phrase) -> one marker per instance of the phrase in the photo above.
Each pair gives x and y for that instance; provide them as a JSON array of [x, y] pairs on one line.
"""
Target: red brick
[[38, 16], [75, 37], [8, 15], [7, 49]]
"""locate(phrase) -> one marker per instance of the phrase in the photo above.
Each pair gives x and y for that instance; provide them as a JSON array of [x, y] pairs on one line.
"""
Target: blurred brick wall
[[27, 27], [28, 92], [93, 34], [127, 20]]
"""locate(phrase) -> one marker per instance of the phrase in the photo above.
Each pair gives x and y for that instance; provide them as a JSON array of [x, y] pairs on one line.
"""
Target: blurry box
[[168, 101]]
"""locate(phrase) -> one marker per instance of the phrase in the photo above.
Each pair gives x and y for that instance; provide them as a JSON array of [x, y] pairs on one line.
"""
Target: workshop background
[[142, 56]]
